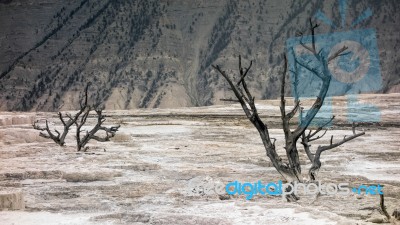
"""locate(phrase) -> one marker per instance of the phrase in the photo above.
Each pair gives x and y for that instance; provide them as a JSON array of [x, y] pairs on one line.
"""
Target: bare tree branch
[[243, 75], [383, 207], [310, 135], [313, 27], [338, 53], [228, 100], [316, 163], [294, 110], [325, 77]]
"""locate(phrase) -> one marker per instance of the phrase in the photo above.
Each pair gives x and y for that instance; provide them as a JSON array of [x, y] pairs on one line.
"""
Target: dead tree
[[79, 120], [60, 138], [291, 169]]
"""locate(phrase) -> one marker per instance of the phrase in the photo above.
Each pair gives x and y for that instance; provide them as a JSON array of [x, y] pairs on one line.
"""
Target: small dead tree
[[291, 169], [79, 120], [60, 138]]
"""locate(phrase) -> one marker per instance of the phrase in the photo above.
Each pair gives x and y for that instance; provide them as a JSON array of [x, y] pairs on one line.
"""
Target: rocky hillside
[[158, 53]]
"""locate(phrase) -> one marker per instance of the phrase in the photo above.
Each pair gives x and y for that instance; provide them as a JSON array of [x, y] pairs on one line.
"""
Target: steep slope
[[153, 53]]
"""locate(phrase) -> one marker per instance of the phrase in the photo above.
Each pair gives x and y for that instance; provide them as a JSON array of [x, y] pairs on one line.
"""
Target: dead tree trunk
[[290, 170]]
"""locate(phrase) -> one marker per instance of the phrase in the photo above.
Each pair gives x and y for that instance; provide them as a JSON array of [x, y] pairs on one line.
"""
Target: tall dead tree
[[291, 169], [79, 120]]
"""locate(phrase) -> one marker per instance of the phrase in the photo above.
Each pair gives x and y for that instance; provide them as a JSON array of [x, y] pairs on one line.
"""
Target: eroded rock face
[[12, 200], [159, 53]]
